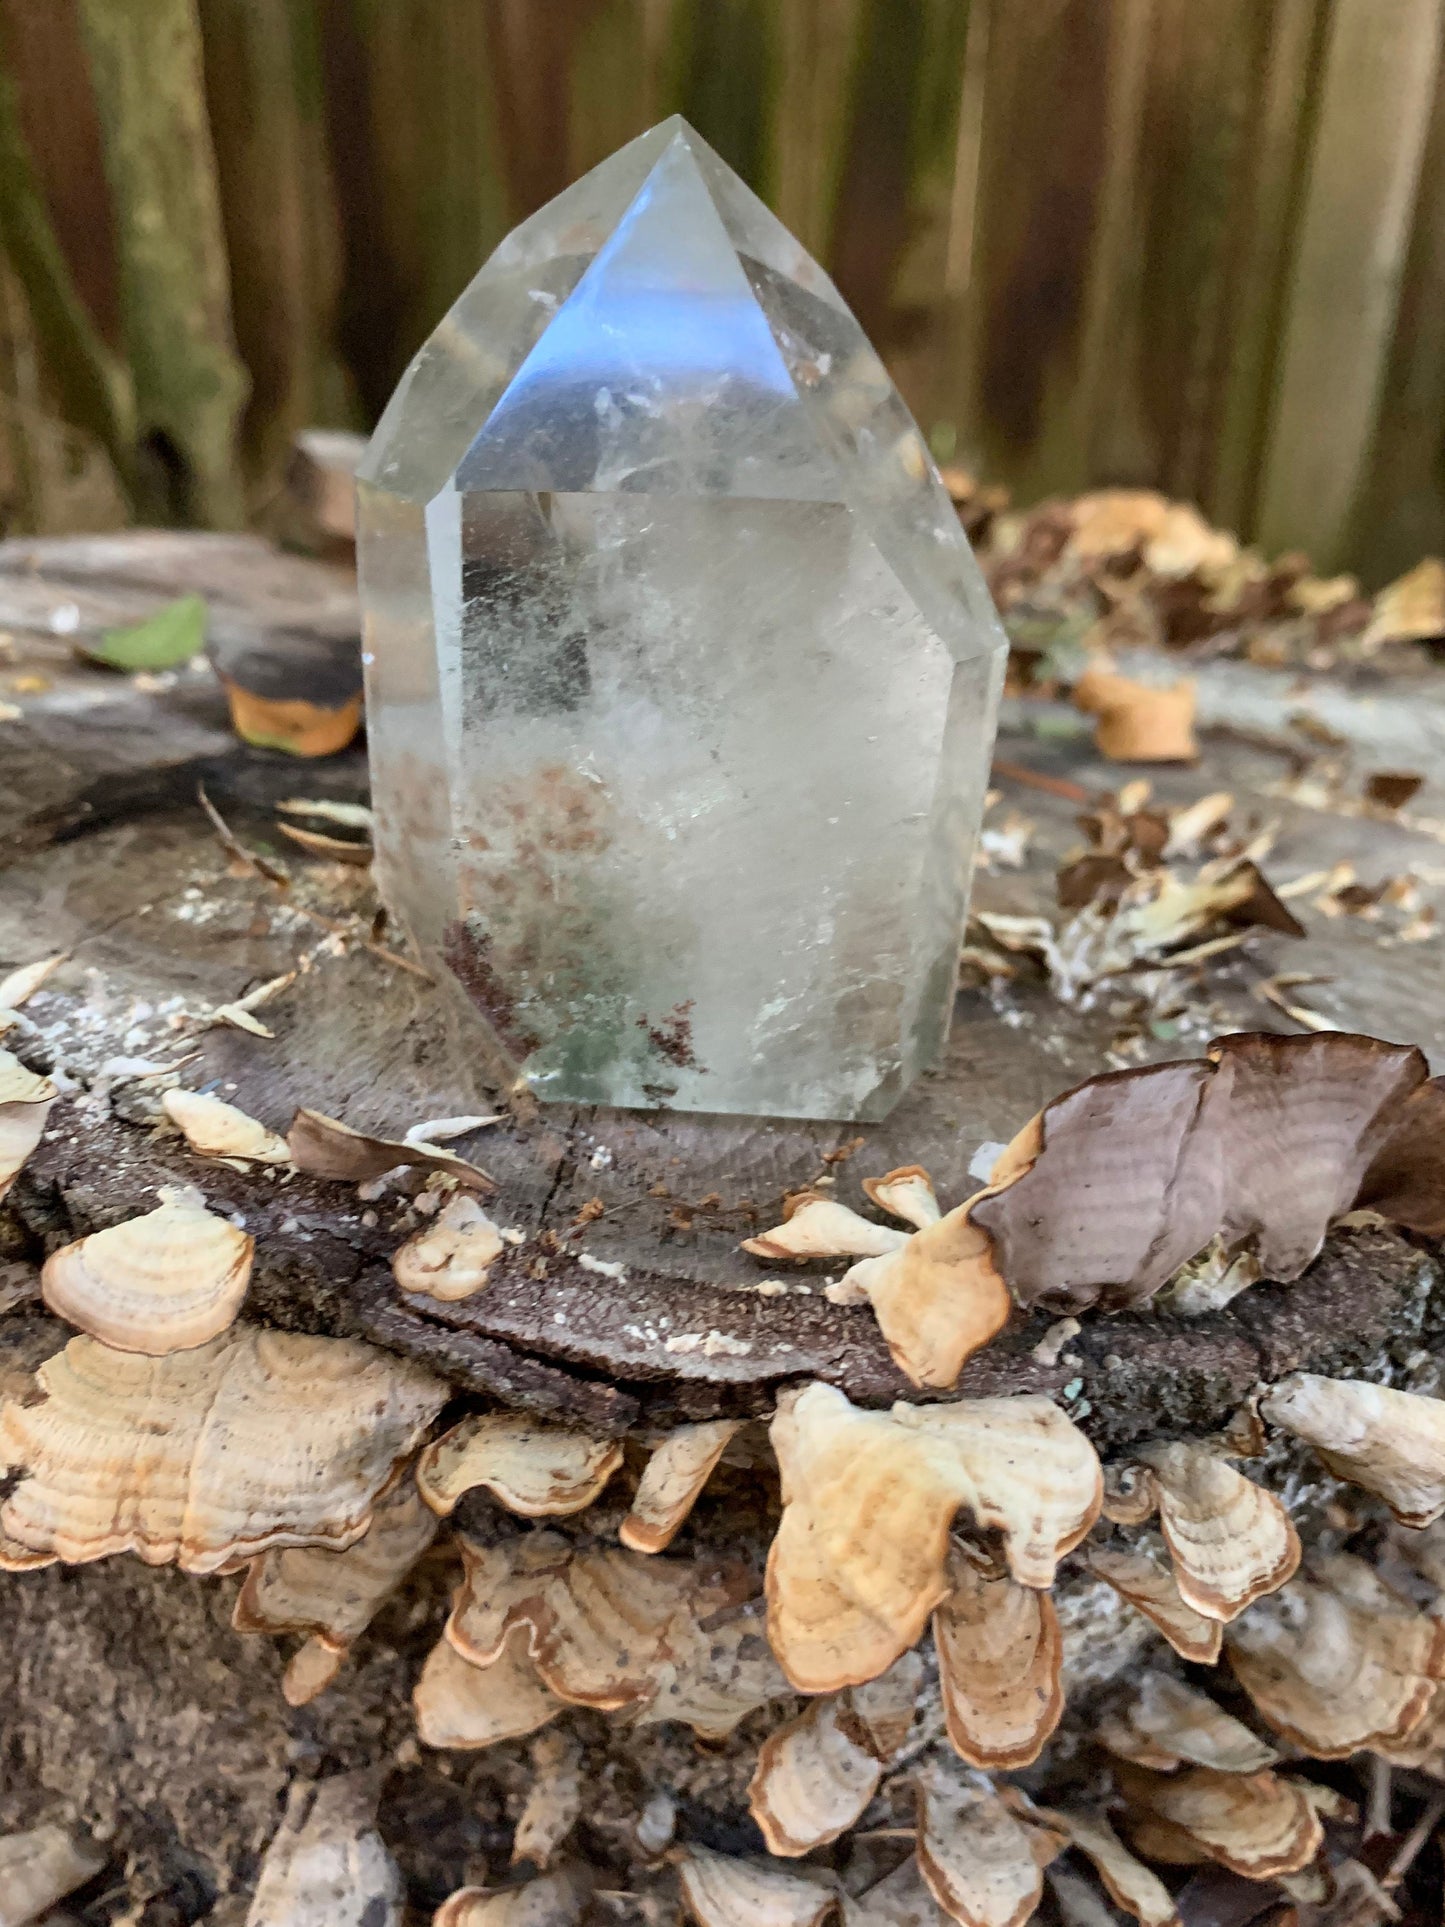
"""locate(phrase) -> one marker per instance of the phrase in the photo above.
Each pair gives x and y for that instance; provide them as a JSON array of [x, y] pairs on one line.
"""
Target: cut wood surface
[[628, 1305], [630, 1295]]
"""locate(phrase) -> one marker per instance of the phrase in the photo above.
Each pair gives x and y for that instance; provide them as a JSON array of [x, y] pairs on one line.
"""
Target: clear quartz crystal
[[681, 674]]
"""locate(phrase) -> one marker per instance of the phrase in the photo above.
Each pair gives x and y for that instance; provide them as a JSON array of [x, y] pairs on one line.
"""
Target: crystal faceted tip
[[681, 674]]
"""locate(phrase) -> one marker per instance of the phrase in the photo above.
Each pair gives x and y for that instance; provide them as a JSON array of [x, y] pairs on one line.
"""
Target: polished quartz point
[[681, 674]]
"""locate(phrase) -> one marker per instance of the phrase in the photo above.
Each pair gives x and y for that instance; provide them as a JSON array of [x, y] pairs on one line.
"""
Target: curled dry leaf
[[25, 1102], [334, 1596], [553, 1801], [858, 1563], [906, 1193], [814, 1777], [1000, 1662], [452, 1257], [219, 1130], [674, 1476], [1139, 722], [18, 986], [39, 1868], [1231, 1540], [1337, 1661], [556, 1900], [1255, 1824], [1166, 1723], [165, 1282], [937, 1298], [720, 1891], [327, 1865], [1391, 1443], [532, 1468], [1410, 609], [1143, 1575], [982, 1860], [256, 1440], [1136, 1172], [325, 1148], [822, 1228], [462, 1705], [1128, 1882]]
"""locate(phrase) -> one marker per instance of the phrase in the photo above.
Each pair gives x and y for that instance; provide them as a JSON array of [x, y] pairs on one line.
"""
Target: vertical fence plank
[[617, 79], [817, 57], [723, 75], [411, 113], [1282, 121], [145, 59], [254, 113], [1374, 116], [1059, 111], [1401, 507]]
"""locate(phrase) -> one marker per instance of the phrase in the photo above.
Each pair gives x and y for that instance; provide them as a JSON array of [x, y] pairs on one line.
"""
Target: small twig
[[1412, 1843], [1034, 779], [1379, 1806], [402, 963], [234, 847]]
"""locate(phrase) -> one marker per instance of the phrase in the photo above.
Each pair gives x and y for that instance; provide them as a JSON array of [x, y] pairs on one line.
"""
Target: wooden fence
[[1193, 243]]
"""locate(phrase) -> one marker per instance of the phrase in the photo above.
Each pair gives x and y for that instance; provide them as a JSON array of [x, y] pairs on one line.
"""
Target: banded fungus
[[721, 1891], [1164, 1724], [533, 1469], [452, 1258], [332, 1597], [816, 1774], [1143, 1575], [216, 1129], [165, 1282], [208, 1458], [1231, 1540], [981, 1856], [934, 1289], [1000, 1666], [1127, 1881], [859, 1560], [25, 1102], [618, 1630], [675, 1474], [553, 1900], [1256, 1824], [460, 1704], [1338, 1661], [1389, 1442]]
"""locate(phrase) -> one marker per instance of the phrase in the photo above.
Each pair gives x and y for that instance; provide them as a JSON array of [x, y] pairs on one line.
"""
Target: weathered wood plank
[[1374, 116], [145, 58]]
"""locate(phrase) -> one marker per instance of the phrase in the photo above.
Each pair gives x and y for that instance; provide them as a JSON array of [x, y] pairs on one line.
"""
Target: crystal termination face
[[681, 675]]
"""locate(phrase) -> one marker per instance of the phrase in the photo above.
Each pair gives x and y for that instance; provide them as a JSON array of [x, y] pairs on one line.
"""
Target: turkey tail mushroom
[[859, 1560]]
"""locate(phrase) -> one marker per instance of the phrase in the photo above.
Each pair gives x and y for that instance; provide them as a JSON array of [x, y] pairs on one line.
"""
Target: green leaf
[[172, 635]]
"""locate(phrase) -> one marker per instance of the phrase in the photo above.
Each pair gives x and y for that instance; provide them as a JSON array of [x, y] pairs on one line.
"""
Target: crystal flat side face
[[682, 676]]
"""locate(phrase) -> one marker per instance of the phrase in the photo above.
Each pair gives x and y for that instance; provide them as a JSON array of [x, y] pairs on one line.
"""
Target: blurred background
[[1197, 245]]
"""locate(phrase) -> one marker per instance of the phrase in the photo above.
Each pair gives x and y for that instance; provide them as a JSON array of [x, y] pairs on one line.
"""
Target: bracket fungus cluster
[[882, 1606], [208, 1457]]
